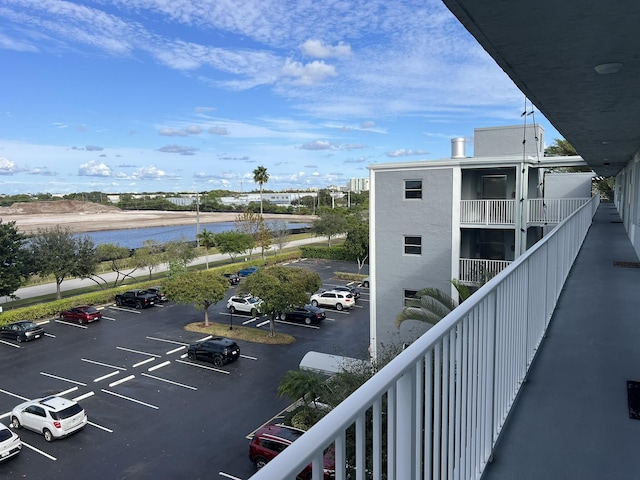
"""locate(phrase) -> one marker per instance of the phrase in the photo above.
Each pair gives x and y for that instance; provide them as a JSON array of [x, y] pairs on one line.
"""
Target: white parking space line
[[357, 306], [297, 324], [103, 364], [114, 307], [166, 341], [83, 397], [152, 359], [65, 322], [156, 367], [50, 457], [10, 344], [226, 475], [208, 337], [248, 357], [63, 379], [107, 376], [100, 427], [138, 351], [49, 335], [65, 392], [108, 318], [203, 366], [169, 381], [251, 320], [266, 322], [176, 350], [14, 395], [329, 319], [122, 380], [130, 399]]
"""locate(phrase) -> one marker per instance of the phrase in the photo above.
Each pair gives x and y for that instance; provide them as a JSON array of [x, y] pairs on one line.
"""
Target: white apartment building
[[463, 218]]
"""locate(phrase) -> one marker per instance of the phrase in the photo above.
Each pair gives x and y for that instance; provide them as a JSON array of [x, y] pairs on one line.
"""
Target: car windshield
[[5, 434], [67, 412], [253, 300], [27, 325], [90, 310]]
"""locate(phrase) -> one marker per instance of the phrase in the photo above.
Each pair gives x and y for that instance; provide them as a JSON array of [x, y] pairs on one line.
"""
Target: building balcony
[[541, 211], [477, 271], [485, 394]]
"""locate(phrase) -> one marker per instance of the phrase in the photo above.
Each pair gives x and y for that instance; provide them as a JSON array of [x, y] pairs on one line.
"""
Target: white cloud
[[317, 49], [94, 169], [150, 173], [405, 153], [308, 74], [7, 167]]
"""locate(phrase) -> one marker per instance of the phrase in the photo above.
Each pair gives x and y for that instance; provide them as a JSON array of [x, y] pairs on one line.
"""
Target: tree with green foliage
[[279, 234], [263, 237], [203, 288], [179, 250], [118, 258], [329, 225], [62, 254], [560, 148], [301, 385], [430, 305], [357, 242], [234, 243], [207, 240], [260, 176], [16, 266], [279, 288], [149, 256]]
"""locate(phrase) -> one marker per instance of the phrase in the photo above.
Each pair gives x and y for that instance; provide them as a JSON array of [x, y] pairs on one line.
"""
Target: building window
[[413, 189], [412, 245], [409, 297]]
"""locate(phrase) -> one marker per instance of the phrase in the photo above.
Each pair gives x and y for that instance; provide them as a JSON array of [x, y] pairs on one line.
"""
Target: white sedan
[[245, 304], [10, 444]]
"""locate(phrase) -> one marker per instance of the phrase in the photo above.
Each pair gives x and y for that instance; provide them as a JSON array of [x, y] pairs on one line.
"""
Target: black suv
[[136, 298], [218, 350]]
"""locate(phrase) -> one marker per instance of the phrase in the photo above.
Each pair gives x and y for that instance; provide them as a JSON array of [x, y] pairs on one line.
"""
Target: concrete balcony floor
[[571, 419]]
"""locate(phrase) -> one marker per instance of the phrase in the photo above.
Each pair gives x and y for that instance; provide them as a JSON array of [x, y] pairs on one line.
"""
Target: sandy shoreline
[[126, 219]]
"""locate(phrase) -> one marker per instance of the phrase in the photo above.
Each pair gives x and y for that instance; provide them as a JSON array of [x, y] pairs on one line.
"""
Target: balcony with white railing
[[477, 271], [437, 410], [544, 211], [487, 212]]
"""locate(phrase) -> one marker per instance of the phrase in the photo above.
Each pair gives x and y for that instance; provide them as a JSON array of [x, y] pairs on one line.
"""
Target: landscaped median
[[248, 334]]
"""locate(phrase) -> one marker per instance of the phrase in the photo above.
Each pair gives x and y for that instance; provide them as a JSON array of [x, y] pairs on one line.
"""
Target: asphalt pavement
[[76, 283]]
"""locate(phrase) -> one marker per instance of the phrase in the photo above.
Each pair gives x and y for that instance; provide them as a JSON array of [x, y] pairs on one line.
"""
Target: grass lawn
[[249, 334]]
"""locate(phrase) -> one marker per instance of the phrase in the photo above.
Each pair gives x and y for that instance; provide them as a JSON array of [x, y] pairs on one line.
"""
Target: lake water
[[134, 238]]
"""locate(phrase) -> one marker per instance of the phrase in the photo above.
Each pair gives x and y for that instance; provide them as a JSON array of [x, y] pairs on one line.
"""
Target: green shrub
[[329, 253]]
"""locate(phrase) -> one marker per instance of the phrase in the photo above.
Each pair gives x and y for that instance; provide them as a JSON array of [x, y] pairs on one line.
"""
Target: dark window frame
[[411, 246], [413, 189]]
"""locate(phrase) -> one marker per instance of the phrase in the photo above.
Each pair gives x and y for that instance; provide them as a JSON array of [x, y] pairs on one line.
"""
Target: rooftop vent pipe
[[457, 148]]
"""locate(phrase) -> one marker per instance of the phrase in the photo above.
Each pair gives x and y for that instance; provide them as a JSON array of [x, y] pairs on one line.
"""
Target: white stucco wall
[[568, 185]]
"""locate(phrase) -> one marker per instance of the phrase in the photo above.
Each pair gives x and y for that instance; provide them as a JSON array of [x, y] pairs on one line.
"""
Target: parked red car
[[81, 314]]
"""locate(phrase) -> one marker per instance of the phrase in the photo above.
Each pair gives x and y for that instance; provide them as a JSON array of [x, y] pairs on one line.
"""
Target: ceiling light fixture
[[607, 68]]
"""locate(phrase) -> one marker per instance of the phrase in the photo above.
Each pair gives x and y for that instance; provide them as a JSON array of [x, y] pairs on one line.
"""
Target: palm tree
[[430, 305], [207, 240], [260, 176]]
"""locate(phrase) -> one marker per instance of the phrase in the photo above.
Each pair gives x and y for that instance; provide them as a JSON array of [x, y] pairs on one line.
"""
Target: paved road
[[75, 283]]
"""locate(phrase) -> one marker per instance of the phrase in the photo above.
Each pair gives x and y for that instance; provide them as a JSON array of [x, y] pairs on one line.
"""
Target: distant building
[[463, 218], [358, 185], [282, 198]]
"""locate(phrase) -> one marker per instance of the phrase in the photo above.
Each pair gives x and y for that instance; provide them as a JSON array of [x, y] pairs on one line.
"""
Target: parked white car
[[333, 298], [245, 304], [10, 444], [54, 417]]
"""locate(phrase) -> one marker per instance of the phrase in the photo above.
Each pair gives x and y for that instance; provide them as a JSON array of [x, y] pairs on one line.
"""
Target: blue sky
[[184, 95]]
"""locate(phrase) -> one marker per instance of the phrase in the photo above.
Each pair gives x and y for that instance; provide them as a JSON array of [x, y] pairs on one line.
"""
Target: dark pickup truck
[[136, 298]]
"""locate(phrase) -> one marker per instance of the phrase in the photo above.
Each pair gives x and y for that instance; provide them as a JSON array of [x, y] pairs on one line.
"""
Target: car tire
[[217, 361], [314, 303], [15, 423], [254, 313], [191, 355], [365, 284], [118, 302], [307, 320], [48, 436], [282, 316], [232, 309], [18, 339], [138, 305], [259, 462], [339, 307]]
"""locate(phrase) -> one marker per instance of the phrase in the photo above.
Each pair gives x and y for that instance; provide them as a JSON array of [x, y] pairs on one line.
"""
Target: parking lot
[[153, 413]]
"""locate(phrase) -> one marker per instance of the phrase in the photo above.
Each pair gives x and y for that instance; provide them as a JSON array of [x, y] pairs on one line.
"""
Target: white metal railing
[[437, 409], [480, 271], [552, 210], [487, 212]]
